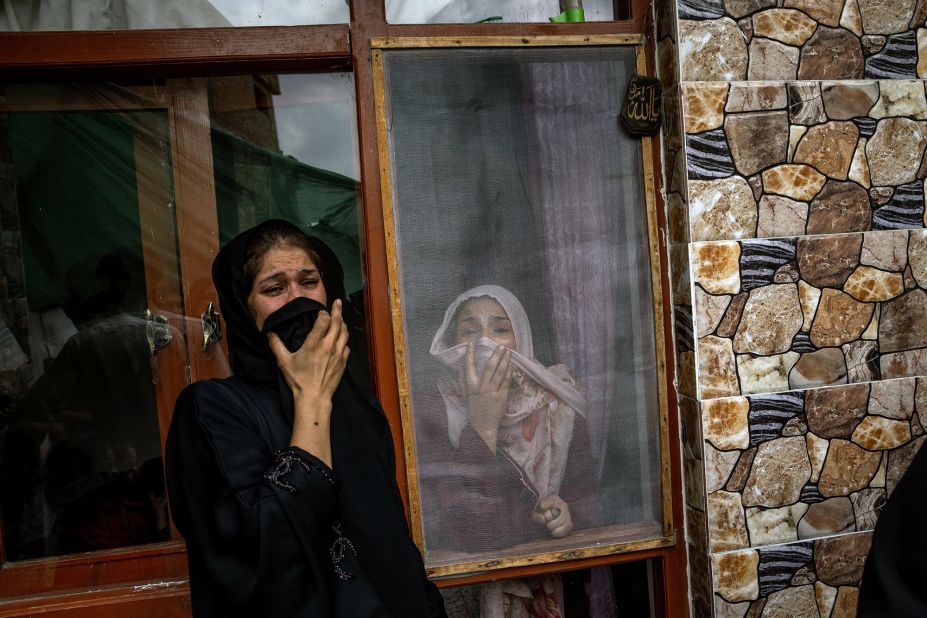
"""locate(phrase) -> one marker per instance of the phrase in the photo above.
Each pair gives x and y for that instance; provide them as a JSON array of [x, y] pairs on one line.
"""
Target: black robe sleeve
[[895, 576], [475, 500], [235, 503]]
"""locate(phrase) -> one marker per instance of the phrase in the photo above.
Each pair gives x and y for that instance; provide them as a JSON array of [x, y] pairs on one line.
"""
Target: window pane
[[284, 147], [81, 456], [521, 222], [33, 15], [470, 11]]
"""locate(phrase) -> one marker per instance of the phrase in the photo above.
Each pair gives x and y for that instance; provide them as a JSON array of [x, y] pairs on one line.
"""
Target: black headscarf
[[371, 510], [251, 357]]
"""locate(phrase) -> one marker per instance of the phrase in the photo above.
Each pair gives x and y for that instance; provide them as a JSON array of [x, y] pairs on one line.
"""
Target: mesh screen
[[521, 222]]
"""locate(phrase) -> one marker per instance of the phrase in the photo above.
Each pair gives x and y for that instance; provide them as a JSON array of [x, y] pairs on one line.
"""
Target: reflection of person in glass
[[86, 433], [507, 461]]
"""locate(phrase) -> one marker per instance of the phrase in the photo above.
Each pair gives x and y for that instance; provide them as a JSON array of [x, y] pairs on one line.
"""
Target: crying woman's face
[[484, 317]]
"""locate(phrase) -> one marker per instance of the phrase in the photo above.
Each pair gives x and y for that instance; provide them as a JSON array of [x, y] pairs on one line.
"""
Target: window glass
[[523, 262], [81, 457], [38, 15], [284, 147], [471, 11], [113, 202]]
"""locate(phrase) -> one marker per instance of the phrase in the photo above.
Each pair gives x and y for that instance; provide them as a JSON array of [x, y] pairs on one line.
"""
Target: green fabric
[[76, 189], [77, 194], [254, 184]]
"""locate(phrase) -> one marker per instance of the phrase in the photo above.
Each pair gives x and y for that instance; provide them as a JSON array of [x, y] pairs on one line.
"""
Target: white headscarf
[[537, 428]]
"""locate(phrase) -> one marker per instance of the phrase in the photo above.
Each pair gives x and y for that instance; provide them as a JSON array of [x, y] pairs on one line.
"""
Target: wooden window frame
[[88, 584]]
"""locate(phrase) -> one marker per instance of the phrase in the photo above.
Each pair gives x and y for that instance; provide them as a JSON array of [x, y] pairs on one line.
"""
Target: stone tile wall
[[794, 171], [732, 40], [783, 467], [795, 580]]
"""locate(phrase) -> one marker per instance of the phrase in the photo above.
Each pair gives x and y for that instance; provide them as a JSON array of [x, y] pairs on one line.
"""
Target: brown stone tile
[[753, 97], [716, 266], [835, 412], [825, 12], [741, 472], [771, 317], [829, 148], [779, 216], [862, 358], [819, 368], [839, 560], [870, 284], [843, 101], [839, 319], [704, 106], [798, 182], [903, 322], [839, 207], [780, 470], [898, 462], [765, 374], [892, 399], [831, 53], [848, 468], [712, 50], [877, 433], [718, 466], [895, 150], [722, 209], [791, 602], [717, 369], [888, 250], [771, 60], [725, 422], [709, 310], [770, 526], [917, 256], [735, 575], [728, 325], [787, 26], [828, 261], [727, 527]]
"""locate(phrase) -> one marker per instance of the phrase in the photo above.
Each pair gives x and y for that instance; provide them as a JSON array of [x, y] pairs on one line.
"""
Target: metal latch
[[212, 326], [157, 331]]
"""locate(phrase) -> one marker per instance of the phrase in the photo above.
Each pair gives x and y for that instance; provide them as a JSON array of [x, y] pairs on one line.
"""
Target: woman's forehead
[[483, 307], [286, 256]]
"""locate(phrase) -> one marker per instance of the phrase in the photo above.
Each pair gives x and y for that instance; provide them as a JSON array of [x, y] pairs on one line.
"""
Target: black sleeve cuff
[[294, 460]]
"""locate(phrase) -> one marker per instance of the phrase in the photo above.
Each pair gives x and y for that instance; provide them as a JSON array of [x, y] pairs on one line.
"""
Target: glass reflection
[[64, 15], [471, 11], [81, 458], [290, 153]]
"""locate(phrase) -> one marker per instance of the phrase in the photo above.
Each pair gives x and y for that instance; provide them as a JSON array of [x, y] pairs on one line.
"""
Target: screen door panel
[[522, 258]]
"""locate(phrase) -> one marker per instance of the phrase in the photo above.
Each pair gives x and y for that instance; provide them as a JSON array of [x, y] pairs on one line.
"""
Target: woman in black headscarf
[[281, 477]]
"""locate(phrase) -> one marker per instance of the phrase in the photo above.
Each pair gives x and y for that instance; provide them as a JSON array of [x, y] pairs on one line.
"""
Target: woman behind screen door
[[506, 455]]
